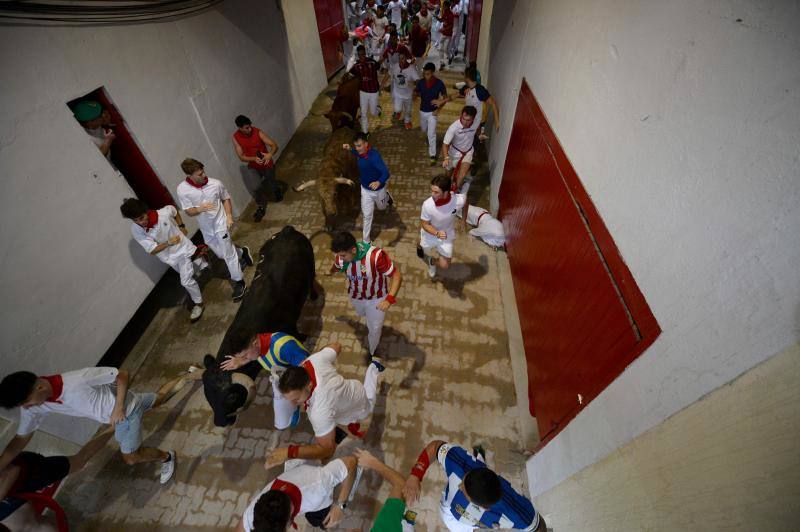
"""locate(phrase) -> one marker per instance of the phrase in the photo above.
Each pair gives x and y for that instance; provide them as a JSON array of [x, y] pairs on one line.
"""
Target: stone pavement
[[445, 344]]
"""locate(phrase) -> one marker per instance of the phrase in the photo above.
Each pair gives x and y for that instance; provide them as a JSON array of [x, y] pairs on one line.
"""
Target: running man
[[430, 89], [392, 515], [474, 496], [438, 221], [373, 175], [99, 393], [458, 149], [477, 96], [329, 400], [258, 150], [366, 69], [372, 281], [208, 200], [304, 488], [162, 233], [404, 79], [275, 351]]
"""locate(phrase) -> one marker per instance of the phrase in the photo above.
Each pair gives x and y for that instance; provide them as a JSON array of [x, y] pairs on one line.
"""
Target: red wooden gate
[[330, 21], [473, 30], [582, 315]]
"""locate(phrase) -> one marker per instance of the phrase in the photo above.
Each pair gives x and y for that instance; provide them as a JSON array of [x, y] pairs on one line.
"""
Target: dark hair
[[363, 137], [483, 487], [342, 241], [272, 512], [471, 73], [416, 18], [470, 110], [443, 182], [361, 49], [132, 208], [242, 121], [293, 378], [190, 166], [16, 388], [429, 66]]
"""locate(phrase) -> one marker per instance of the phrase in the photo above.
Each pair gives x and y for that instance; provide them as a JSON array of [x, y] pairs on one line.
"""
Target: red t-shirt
[[251, 146]]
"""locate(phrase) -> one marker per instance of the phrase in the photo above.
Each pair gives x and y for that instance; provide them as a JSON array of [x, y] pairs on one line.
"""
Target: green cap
[[87, 110]]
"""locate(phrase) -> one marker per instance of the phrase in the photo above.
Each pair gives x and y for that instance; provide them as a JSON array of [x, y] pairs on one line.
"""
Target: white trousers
[[369, 200], [444, 46], [222, 246], [186, 269], [371, 385], [403, 105], [428, 122], [369, 308], [284, 410], [369, 105]]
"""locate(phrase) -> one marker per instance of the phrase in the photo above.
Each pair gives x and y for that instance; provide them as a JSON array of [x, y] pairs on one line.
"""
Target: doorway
[[583, 318], [127, 156]]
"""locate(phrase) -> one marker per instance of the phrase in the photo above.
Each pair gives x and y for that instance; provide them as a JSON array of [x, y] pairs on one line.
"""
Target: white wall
[[72, 276], [684, 126]]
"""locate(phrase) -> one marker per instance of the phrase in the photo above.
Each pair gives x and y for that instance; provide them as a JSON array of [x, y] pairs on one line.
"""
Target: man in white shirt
[[395, 9], [457, 147], [304, 487], [208, 200], [162, 233], [378, 40], [438, 223], [100, 394], [329, 400], [404, 79]]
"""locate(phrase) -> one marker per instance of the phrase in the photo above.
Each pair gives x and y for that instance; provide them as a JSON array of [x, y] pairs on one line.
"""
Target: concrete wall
[[72, 276], [682, 120], [729, 462]]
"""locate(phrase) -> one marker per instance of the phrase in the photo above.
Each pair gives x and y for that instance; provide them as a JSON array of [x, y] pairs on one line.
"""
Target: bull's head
[[339, 119], [228, 393]]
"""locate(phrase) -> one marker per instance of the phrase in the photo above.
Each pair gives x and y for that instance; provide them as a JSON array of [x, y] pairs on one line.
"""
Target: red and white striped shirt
[[368, 278]]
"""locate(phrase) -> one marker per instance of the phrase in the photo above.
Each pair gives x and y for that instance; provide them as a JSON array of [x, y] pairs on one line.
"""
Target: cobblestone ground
[[445, 343]]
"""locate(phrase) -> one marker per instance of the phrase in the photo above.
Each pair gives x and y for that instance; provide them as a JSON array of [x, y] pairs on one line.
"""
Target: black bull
[[284, 280]]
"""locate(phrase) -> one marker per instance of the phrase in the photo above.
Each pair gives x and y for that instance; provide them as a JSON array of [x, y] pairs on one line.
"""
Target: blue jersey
[[428, 94], [280, 349], [511, 511], [371, 168]]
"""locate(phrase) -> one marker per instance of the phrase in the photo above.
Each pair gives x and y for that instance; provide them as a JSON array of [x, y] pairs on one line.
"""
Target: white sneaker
[[431, 267], [197, 311], [168, 468]]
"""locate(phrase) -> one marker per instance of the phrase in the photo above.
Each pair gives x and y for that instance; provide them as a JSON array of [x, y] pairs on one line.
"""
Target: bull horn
[[348, 115]]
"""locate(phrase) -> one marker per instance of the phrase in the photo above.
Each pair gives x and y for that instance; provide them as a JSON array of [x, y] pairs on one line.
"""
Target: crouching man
[[303, 488], [329, 400], [163, 234]]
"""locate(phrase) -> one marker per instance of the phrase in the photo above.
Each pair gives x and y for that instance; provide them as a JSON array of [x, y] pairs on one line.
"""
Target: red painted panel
[[582, 316], [130, 161], [473, 29], [330, 21]]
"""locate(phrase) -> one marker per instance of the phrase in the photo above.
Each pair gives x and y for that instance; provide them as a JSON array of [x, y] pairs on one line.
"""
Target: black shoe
[[238, 290], [420, 252], [278, 195], [259, 214], [340, 435], [390, 199], [246, 259]]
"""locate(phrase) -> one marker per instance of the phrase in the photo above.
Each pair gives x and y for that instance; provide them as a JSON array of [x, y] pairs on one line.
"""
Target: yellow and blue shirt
[[280, 349]]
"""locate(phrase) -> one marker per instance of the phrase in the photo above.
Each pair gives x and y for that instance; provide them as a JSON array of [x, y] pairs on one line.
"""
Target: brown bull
[[338, 166]]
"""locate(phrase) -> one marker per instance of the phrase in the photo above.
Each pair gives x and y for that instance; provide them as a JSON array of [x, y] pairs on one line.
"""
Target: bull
[[284, 279], [337, 167]]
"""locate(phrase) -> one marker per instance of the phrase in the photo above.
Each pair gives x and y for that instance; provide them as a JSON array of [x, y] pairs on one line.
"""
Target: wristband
[[391, 299], [422, 465], [294, 450]]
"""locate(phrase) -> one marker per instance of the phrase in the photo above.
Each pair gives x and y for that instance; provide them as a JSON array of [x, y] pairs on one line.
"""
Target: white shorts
[[455, 156], [428, 242]]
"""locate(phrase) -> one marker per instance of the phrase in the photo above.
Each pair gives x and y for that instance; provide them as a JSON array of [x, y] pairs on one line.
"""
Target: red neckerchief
[[152, 219], [444, 201], [429, 83], [306, 365], [404, 65], [294, 493], [366, 152], [57, 384], [195, 185], [263, 342], [479, 218]]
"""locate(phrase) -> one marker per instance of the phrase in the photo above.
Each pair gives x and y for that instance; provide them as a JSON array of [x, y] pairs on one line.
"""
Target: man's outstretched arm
[[414, 481]]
